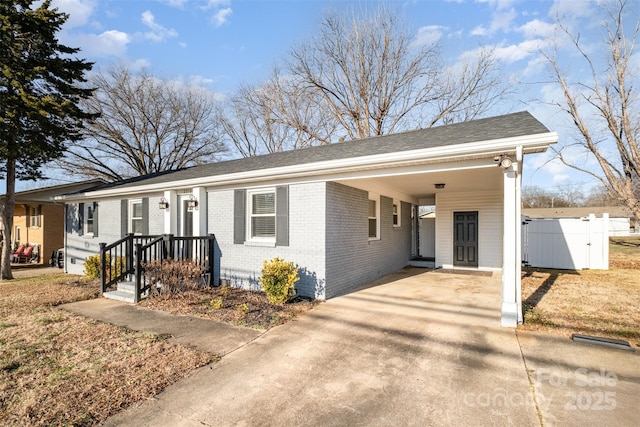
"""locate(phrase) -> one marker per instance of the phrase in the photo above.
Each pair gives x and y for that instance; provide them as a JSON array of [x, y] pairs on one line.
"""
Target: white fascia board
[[529, 144]]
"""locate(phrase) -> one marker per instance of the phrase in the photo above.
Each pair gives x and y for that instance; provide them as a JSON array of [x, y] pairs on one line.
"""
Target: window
[[374, 214], [34, 216], [88, 219], [262, 215], [396, 213], [89, 211], [135, 217]]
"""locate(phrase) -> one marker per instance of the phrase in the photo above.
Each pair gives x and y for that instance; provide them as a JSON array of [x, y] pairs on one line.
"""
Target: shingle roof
[[506, 126], [47, 194]]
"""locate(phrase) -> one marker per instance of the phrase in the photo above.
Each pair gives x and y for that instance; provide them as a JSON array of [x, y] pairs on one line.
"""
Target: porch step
[[127, 286], [120, 296], [422, 263], [124, 293]]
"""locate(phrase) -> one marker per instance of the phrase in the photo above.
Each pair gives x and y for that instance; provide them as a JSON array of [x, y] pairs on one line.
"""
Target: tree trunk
[[7, 220]]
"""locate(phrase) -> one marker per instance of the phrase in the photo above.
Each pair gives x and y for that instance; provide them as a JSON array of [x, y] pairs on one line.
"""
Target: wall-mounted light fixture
[[163, 204], [192, 203], [439, 185], [503, 161]]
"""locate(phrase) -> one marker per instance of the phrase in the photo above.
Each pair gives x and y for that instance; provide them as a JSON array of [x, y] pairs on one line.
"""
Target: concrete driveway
[[419, 348]]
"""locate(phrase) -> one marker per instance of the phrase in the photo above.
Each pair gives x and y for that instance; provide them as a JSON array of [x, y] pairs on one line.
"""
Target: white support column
[[171, 214], [510, 251], [200, 215], [518, 201]]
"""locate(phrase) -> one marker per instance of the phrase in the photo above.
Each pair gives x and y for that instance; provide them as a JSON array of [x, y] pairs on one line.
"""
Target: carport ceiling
[[420, 185]]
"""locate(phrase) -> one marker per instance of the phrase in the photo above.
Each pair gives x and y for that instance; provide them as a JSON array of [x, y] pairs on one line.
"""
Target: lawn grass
[[57, 368], [604, 303]]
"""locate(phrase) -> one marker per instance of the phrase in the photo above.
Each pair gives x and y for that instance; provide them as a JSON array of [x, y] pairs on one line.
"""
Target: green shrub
[[278, 280], [92, 266]]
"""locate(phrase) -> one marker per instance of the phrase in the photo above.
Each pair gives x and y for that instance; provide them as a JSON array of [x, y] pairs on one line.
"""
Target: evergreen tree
[[40, 90]]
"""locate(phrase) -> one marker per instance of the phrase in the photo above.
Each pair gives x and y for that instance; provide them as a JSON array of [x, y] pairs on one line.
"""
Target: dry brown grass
[[230, 305], [592, 302], [60, 369]]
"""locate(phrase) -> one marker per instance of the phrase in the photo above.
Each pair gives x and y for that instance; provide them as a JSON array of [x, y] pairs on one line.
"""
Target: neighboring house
[[38, 220], [345, 214], [621, 220]]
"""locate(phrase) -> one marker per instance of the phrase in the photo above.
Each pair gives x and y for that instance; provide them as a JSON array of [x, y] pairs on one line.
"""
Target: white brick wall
[[78, 247], [156, 216], [352, 259], [241, 264], [328, 239]]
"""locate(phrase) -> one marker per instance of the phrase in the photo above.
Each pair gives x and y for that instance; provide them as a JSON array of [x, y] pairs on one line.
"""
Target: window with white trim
[[89, 211], [261, 218], [396, 213], [34, 216], [374, 215], [135, 216]]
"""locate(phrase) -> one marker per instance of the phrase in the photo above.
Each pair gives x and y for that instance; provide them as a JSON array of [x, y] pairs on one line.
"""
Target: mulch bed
[[231, 305]]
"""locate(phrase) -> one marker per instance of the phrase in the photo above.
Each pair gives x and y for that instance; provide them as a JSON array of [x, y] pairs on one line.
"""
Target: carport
[[476, 193]]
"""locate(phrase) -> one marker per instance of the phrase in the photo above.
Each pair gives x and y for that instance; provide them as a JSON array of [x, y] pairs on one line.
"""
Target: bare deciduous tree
[[361, 78], [375, 79], [276, 116], [146, 125], [604, 107], [561, 197]]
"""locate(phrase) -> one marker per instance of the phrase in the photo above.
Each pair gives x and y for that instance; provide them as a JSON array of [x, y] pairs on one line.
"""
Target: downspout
[[518, 282]]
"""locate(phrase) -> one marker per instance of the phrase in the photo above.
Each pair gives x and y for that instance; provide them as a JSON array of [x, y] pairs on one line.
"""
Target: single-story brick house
[[345, 214]]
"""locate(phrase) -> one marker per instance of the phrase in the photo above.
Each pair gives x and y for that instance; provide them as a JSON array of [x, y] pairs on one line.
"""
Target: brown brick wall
[[49, 236]]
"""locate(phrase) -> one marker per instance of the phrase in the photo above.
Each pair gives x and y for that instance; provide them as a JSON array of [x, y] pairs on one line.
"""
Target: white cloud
[[214, 4], [158, 32], [175, 3], [79, 11], [221, 17], [517, 52], [570, 9], [479, 31], [500, 21], [548, 162], [196, 80], [139, 64], [537, 28], [498, 4], [108, 43], [428, 35], [560, 178]]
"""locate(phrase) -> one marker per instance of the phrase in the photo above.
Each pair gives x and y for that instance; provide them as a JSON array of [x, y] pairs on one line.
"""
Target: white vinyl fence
[[566, 243]]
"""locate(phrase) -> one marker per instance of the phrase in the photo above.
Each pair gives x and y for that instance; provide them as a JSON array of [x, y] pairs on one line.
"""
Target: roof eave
[[530, 144]]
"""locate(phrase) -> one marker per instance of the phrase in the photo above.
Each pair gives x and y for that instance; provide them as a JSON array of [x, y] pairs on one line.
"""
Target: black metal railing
[[126, 258]]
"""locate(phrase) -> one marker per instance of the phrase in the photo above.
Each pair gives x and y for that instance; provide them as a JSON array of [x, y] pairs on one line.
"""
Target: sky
[[220, 44]]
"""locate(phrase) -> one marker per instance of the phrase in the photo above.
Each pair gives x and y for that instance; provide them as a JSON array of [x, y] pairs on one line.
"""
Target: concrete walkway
[[420, 348], [213, 337]]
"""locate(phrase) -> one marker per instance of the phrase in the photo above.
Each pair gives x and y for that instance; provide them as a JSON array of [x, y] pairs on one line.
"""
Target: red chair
[[26, 254], [15, 257]]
